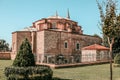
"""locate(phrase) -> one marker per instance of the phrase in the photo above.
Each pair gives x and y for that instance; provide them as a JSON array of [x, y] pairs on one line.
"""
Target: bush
[[25, 56], [28, 73], [24, 68], [117, 59]]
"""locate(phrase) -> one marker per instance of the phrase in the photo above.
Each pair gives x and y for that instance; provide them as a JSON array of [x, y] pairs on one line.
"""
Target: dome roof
[[29, 29], [57, 17]]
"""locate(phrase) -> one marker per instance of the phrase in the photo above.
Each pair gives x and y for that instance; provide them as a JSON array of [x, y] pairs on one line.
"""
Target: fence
[[71, 59]]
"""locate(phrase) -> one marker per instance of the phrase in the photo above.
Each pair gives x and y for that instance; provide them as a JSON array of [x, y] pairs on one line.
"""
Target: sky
[[18, 14]]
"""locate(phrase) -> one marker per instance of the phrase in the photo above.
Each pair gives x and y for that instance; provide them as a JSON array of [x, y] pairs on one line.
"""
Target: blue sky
[[18, 14]]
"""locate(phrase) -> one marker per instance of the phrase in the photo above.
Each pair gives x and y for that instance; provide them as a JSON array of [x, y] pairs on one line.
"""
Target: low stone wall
[[5, 55], [74, 65]]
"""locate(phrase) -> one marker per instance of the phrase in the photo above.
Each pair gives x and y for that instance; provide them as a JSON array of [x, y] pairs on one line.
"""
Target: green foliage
[[109, 21], [110, 25], [28, 73], [3, 45], [105, 41], [116, 46], [24, 56], [117, 59]]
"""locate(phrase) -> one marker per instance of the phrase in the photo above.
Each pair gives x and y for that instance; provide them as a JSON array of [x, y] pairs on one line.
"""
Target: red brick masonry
[[5, 55]]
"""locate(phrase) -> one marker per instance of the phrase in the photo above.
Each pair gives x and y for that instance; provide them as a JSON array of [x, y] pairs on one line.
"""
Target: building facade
[[54, 40], [94, 53]]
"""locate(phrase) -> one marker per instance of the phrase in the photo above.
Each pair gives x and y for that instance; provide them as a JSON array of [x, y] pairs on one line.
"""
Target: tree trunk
[[111, 69]]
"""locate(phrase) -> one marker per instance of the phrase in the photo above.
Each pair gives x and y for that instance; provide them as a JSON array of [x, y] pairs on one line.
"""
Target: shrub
[[24, 68], [29, 73], [117, 59], [25, 56]]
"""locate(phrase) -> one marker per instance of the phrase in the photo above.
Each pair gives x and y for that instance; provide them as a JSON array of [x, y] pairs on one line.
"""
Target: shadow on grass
[[55, 78]]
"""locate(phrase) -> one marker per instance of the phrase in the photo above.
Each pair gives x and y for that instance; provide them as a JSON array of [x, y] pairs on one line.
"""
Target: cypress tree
[[24, 56]]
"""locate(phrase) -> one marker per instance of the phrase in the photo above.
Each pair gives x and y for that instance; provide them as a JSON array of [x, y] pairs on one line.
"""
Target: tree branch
[[108, 40]]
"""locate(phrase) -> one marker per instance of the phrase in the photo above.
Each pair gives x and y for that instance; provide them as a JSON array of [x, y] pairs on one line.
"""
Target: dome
[[56, 17], [29, 29]]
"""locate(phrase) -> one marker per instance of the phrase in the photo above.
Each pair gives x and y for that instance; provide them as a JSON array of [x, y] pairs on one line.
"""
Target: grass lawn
[[3, 64], [94, 72]]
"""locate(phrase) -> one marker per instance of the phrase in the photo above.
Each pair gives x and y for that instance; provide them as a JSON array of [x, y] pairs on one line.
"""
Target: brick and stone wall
[[40, 42], [17, 38], [5, 55], [54, 42], [89, 55], [40, 46]]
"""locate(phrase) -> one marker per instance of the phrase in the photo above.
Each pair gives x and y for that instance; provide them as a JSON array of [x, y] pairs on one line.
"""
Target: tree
[[116, 46], [117, 59], [110, 25], [3, 45], [25, 56], [105, 41]]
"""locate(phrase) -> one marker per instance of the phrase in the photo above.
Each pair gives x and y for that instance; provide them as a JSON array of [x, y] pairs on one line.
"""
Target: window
[[77, 46], [54, 25], [65, 45]]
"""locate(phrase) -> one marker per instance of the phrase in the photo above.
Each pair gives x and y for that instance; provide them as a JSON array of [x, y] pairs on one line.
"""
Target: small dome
[[29, 29], [59, 17], [56, 16]]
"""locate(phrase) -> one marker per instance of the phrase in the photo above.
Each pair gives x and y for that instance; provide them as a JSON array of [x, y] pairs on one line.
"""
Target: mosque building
[[54, 38]]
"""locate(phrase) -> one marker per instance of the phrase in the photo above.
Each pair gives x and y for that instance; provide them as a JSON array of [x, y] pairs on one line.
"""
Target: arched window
[[77, 46], [65, 44], [54, 25]]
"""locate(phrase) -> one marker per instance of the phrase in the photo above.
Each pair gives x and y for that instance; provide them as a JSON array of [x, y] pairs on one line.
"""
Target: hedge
[[28, 73]]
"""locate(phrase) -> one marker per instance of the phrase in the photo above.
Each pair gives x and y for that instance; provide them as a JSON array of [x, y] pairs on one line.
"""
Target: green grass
[[94, 72], [3, 64]]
